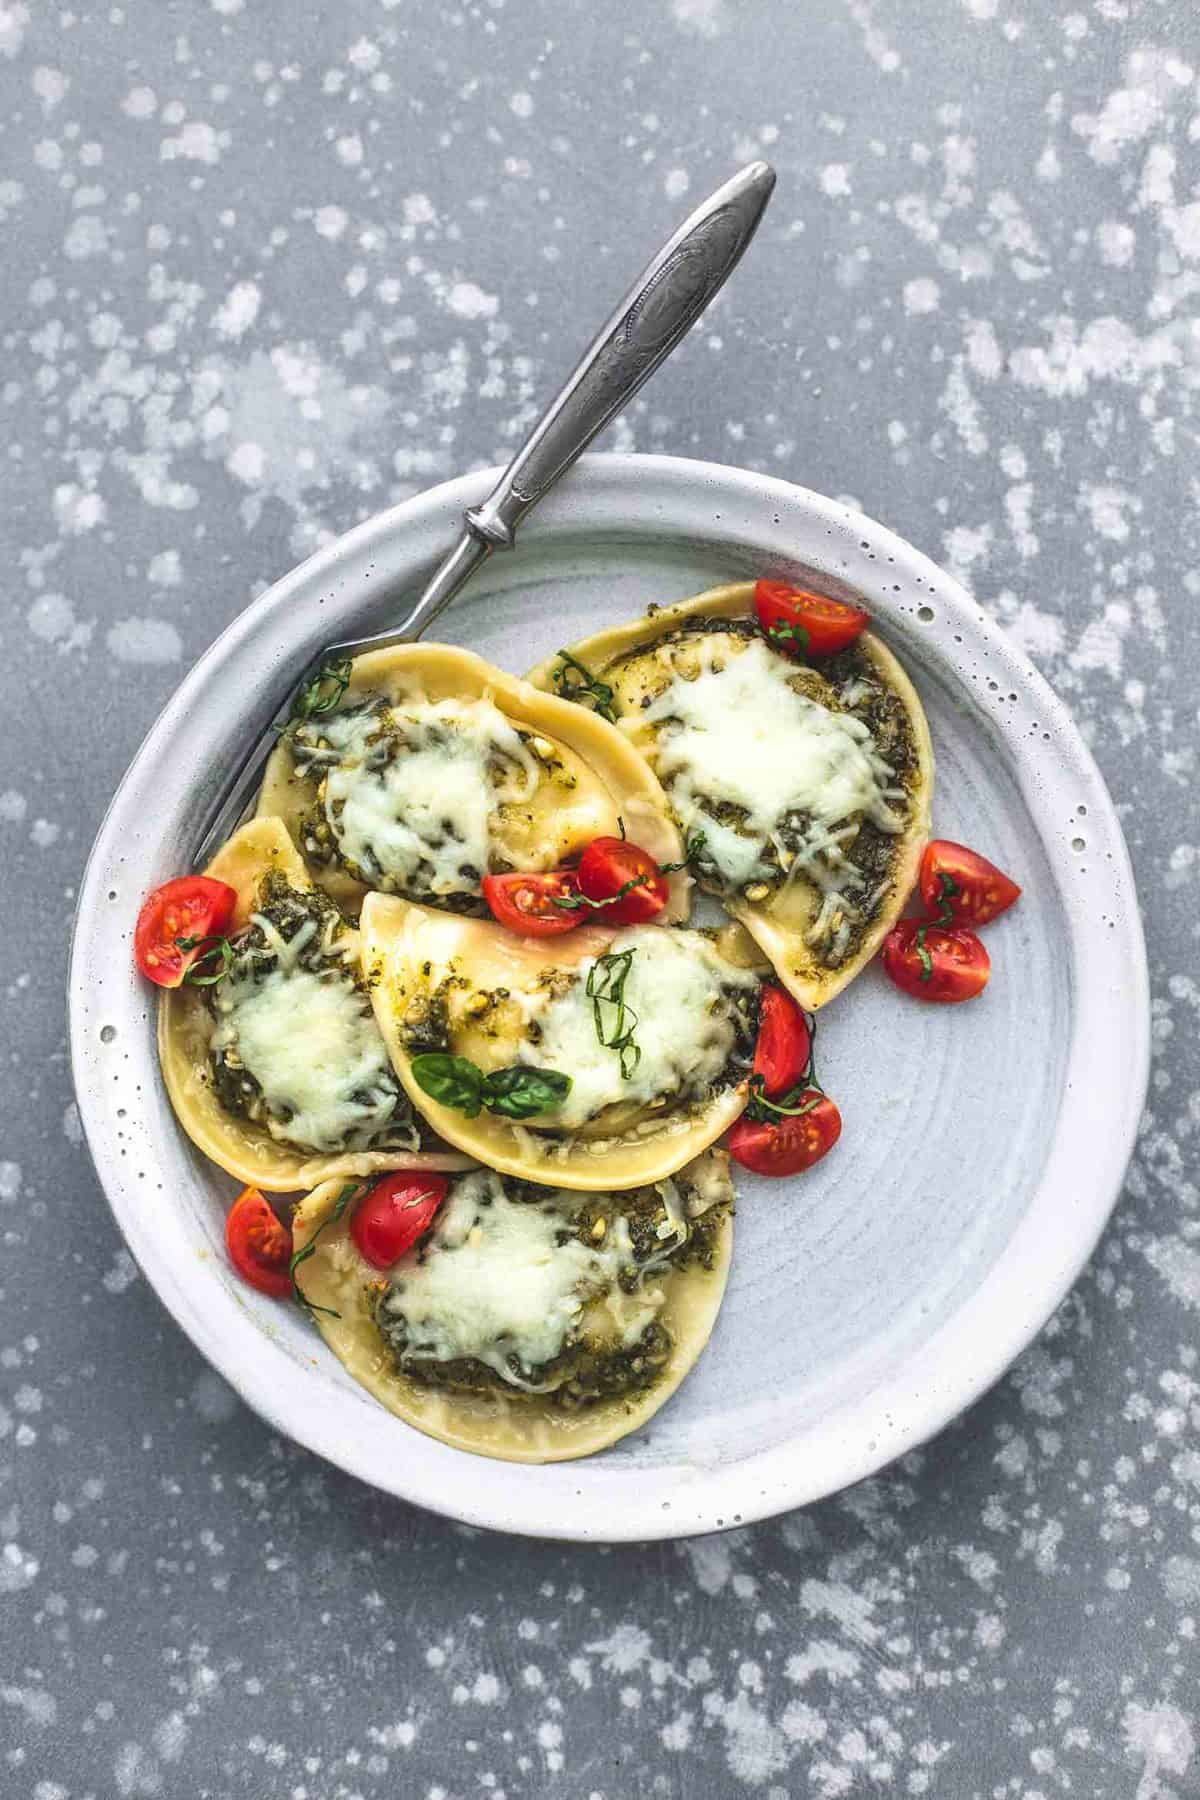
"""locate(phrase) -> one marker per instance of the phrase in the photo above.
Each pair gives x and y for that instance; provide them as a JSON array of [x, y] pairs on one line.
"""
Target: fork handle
[[658, 311]]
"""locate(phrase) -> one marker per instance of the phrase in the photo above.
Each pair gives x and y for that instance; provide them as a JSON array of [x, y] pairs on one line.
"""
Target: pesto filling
[[406, 796], [295, 1048], [849, 858], [598, 1336]]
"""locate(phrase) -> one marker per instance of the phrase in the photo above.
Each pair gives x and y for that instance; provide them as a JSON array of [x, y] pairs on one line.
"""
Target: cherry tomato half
[[609, 864], [193, 906], [259, 1246], [525, 903], [802, 624], [944, 966], [397, 1211], [784, 1042], [785, 1146], [963, 883]]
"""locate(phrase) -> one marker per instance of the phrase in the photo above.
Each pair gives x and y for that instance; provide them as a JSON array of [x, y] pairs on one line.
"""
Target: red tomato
[[955, 966], [260, 1248], [525, 903], [609, 864], [786, 1145], [784, 1042], [395, 1213], [803, 624], [193, 906], [964, 884]]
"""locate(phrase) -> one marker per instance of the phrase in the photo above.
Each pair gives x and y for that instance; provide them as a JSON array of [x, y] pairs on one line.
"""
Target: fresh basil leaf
[[451, 1080], [339, 1206], [521, 1092]]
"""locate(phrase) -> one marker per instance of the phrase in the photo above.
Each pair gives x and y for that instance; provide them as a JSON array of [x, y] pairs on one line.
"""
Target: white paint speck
[[213, 1399], [164, 569], [247, 461], [676, 183], [467, 301], [13, 20], [419, 209], [239, 310], [835, 180], [148, 641], [76, 510], [140, 103], [50, 86], [1116, 243], [197, 142], [330, 222], [123, 1274], [52, 618], [921, 295], [1162, 1737], [704, 18]]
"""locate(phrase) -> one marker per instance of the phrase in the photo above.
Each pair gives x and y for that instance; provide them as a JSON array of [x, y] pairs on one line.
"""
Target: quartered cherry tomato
[[610, 864], [786, 1145], [397, 1211], [933, 963], [965, 885], [260, 1247], [803, 624], [191, 907], [784, 1042], [525, 903]]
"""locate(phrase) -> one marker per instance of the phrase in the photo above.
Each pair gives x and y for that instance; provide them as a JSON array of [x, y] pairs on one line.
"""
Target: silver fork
[[659, 310]]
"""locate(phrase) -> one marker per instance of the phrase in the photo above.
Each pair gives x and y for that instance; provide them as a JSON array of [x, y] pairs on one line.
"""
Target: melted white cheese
[[740, 732], [495, 1283], [683, 1029], [420, 818], [312, 1044]]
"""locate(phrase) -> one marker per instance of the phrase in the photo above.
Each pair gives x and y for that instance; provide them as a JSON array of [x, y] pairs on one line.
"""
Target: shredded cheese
[[740, 734], [410, 795], [678, 986], [494, 1283]]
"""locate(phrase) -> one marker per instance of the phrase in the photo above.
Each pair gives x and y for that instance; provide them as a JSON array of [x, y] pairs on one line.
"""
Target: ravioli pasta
[[532, 1324], [810, 784], [468, 987], [278, 1071], [435, 769]]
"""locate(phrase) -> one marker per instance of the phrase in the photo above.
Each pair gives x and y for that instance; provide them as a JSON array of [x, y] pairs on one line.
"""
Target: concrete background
[[267, 267]]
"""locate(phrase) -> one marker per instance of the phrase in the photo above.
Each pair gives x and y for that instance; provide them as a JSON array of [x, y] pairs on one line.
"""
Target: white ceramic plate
[[984, 1146]]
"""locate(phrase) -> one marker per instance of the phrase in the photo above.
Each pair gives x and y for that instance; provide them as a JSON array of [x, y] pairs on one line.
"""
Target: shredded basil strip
[[803, 1098], [580, 902], [614, 1028], [203, 973], [782, 633], [575, 681], [343, 1200], [323, 694], [518, 1092], [810, 1098]]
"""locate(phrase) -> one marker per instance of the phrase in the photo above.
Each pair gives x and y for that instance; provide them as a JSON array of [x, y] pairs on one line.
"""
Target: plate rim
[[653, 495]]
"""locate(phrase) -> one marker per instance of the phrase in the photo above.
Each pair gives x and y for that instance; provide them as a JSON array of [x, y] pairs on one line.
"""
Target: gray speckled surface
[[254, 289]]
